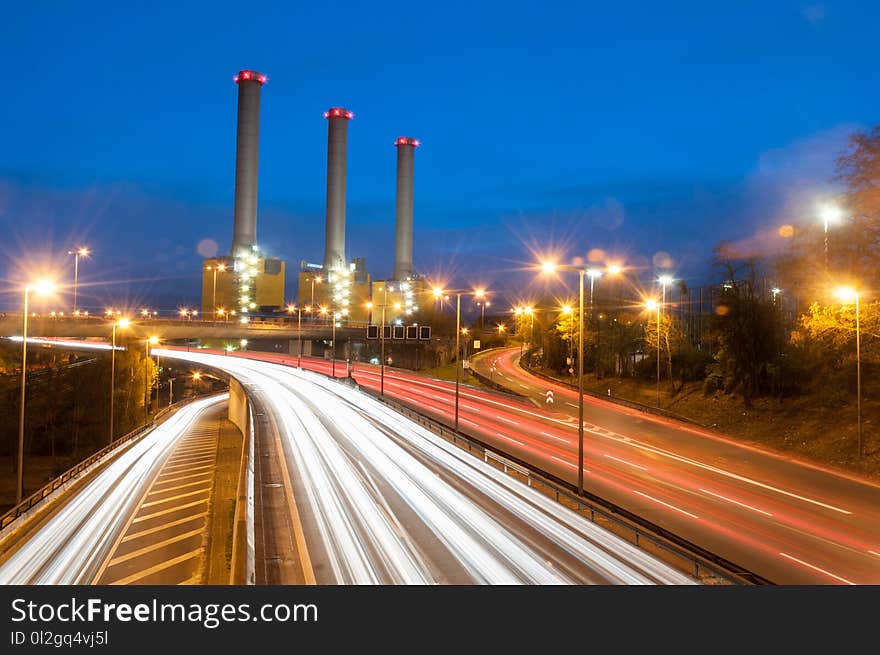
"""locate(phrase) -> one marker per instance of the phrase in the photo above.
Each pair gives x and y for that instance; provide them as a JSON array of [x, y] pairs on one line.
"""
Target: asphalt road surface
[[142, 519], [787, 520], [381, 500]]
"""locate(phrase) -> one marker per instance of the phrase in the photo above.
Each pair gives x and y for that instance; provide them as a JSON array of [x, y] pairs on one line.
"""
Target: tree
[[748, 327]]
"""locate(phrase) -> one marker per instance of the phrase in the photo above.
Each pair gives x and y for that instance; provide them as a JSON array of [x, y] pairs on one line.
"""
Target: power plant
[[246, 284]]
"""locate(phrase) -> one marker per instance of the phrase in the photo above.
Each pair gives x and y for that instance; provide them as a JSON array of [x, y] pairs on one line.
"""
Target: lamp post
[[847, 295], [483, 306], [216, 268], [477, 293], [652, 305], [315, 278], [151, 341], [333, 346], [829, 214], [121, 323], [77, 253], [550, 267], [382, 343], [43, 288]]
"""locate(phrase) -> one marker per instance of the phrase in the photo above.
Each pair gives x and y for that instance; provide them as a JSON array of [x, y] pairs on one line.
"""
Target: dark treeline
[[769, 325]]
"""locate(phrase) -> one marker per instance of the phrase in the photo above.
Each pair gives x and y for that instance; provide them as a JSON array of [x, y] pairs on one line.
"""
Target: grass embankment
[[818, 427], [448, 373]]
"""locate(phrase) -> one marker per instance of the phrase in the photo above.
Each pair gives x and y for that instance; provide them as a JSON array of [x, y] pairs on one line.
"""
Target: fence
[[71, 473]]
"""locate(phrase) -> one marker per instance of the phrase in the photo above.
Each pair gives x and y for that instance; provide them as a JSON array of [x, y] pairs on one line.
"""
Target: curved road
[[789, 521], [76, 543], [384, 501]]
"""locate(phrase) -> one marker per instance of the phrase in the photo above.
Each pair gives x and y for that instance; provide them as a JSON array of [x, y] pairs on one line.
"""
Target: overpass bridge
[[177, 329]]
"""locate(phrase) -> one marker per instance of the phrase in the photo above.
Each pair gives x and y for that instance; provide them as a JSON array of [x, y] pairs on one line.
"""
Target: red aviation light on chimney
[[338, 112], [407, 141], [250, 76]]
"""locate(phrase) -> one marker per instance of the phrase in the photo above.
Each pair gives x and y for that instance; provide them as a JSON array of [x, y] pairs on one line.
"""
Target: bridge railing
[[38, 496]]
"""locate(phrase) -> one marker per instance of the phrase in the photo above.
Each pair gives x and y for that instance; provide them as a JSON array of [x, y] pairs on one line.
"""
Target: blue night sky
[[635, 128]]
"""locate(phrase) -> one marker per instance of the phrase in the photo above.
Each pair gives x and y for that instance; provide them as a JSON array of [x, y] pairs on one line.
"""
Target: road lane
[[72, 546], [384, 501], [753, 507]]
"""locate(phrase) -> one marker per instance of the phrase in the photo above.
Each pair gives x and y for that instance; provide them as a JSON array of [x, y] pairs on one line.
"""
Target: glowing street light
[[148, 388], [652, 305], [77, 253], [476, 293], [41, 288], [664, 280], [219, 268], [829, 215], [122, 323], [848, 295], [551, 268]]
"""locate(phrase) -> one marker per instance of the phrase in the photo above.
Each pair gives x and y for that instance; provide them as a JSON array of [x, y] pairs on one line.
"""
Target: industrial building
[[246, 283]]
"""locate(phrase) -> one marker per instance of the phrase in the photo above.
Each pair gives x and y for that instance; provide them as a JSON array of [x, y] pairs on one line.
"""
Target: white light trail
[[70, 547], [394, 503]]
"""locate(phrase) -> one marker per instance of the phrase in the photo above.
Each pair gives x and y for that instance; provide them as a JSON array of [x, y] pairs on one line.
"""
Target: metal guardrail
[[641, 529], [73, 472]]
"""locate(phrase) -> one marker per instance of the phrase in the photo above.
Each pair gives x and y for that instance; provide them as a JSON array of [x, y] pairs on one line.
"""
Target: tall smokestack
[[337, 143], [403, 247], [244, 234]]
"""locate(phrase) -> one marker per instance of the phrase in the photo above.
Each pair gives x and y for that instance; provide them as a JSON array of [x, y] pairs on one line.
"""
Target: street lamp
[[664, 280], [42, 288], [336, 316], [483, 306], [567, 311], [315, 279], [830, 214], [77, 253], [593, 273], [476, 293], [122, 323], [548, 268], [849, 295], [221, 268], [652, 305], [386, 289], [148, 388]]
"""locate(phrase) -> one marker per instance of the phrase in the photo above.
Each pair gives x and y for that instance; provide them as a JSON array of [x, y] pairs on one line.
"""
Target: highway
[[380, 500], [84, 539], [787, 520]]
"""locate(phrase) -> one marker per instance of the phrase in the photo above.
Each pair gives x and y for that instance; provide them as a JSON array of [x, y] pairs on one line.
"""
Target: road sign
[[465, 363], [571, 371], [549, 395], [476, 343]]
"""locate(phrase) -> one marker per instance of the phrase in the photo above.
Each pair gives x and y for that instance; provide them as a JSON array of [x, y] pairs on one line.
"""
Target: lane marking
[[155, 546], [736, 502], [816, 568], [566, 462], [169, 510], [656, 500], [571, 404], [185, 477], [153, 503], [164, 526], [874, 552], [553, 436], [159, 567], [194, 468], [179, 486], [504, 436], [623, 461], [507, 420]]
